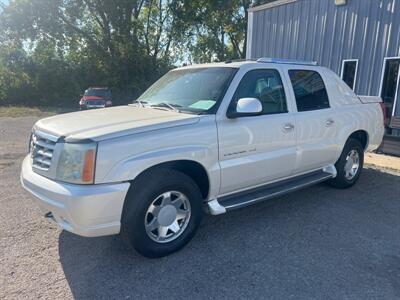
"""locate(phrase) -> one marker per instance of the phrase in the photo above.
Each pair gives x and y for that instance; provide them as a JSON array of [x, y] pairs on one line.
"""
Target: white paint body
[[237, 154]]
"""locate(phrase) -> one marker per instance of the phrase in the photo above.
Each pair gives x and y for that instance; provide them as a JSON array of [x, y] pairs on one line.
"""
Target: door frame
[[356, 73], [397, 83]]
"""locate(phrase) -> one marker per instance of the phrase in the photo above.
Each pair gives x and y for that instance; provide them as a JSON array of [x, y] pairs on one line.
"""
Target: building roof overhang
[[270, 5]]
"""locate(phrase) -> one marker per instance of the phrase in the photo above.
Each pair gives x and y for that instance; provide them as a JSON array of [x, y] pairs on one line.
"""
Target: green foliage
[[52, 50], [216, 29]]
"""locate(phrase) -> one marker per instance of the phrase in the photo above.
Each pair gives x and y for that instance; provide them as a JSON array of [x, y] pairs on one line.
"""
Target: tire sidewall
[[350, 145], [139, 198]]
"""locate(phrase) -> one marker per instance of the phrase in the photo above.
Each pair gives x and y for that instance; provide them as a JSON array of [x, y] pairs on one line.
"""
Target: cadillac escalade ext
[[203, 139]]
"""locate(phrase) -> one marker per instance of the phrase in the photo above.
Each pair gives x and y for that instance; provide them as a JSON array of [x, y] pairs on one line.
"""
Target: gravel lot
[[318, 243]]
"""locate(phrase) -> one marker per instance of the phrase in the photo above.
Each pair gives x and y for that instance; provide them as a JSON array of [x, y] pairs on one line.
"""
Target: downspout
[[249, 36]]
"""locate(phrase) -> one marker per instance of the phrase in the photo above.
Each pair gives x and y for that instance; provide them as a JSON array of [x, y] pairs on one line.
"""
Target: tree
[[124, 44], [51, 50], [217, 28]]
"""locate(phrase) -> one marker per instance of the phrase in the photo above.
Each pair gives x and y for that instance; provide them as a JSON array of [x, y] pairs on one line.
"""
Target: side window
[[265, 85], [309, 90]]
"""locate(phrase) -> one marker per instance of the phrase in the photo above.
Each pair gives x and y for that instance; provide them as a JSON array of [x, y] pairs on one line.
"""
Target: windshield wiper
[[140, 102], [172, 107]]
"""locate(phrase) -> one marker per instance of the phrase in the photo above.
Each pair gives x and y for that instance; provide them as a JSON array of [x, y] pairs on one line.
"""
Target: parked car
[[96, 97], [213, 136]]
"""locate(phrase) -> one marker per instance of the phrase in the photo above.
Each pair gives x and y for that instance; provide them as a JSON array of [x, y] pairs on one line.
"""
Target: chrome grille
[[42, 148]]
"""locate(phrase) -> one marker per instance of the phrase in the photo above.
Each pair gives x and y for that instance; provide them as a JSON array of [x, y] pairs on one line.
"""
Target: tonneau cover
[[370, 99]]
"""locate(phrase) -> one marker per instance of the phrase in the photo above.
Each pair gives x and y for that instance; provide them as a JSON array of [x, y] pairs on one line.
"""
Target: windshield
[[192, 90], [98, 92]]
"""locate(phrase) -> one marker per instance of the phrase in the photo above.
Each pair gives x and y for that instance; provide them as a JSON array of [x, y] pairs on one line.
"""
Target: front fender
[[128, 169], [123, 159]]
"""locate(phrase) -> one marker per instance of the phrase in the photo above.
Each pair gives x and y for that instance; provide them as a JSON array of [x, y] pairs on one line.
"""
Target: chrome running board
[[269, 191]]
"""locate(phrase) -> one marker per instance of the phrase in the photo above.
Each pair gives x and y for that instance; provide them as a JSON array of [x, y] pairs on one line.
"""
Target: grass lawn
[[23, 111]]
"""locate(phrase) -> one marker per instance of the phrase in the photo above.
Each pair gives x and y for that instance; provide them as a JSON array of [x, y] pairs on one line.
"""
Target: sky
[[4, 2]]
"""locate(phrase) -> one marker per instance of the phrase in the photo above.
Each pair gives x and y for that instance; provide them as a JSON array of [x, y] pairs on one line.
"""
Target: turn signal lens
[[88, 166]]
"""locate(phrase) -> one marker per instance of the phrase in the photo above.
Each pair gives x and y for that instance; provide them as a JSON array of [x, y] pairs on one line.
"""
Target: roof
[[239, 63], [270, 5], [233, 64], [98, 88]]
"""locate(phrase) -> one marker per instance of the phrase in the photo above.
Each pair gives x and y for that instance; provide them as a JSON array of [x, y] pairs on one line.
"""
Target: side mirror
[[246, 107]]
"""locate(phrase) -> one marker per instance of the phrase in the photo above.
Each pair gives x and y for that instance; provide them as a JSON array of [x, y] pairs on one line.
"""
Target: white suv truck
[[213, 138]]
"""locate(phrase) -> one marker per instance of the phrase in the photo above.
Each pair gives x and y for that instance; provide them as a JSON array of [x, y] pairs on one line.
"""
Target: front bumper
[[86, 210]]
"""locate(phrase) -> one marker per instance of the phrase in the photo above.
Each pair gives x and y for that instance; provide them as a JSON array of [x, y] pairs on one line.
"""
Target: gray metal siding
[[318, 30]]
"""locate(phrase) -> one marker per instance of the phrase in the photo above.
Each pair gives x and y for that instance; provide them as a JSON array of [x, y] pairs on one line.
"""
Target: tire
[[346, 178], [150, 192]]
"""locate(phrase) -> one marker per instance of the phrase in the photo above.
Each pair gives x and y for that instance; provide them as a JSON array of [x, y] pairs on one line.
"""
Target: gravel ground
[[319, 243]]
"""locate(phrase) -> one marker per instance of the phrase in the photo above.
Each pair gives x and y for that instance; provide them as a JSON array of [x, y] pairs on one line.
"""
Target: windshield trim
[[213, 110]]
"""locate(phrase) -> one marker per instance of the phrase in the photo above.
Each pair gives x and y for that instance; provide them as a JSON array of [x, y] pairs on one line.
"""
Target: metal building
[[358, 39]]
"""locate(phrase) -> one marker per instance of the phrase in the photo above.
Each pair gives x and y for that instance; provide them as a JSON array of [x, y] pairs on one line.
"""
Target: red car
[[96, 97]]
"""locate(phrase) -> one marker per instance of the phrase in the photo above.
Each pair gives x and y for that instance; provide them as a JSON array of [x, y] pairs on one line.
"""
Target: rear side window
[[309, 90]]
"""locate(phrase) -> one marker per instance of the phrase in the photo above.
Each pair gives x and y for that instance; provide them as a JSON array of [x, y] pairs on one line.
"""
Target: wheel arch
[[193, 169], [361, 136]]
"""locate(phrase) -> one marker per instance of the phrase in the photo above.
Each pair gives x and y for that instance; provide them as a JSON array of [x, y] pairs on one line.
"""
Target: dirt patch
[[381, 161], [22, 111]]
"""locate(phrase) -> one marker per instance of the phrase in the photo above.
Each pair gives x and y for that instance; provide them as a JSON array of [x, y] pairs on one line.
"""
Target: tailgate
[[370, 99]]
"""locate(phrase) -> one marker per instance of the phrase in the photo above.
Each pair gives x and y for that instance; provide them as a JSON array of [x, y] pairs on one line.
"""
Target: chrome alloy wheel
[[167, 217], [352, 164]]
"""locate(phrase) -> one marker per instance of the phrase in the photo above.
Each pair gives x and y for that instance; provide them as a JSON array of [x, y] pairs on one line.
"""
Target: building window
[[349, 72], [265, 85], [390, 84], [309, 90]]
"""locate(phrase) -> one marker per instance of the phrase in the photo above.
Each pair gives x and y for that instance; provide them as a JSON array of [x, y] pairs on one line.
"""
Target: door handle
[[329, 122], [288, 127]]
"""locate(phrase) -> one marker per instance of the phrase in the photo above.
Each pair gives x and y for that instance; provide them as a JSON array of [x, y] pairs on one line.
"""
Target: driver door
[[255, 150]]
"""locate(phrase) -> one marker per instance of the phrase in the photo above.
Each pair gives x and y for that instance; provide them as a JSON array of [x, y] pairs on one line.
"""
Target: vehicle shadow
[[313, 243]]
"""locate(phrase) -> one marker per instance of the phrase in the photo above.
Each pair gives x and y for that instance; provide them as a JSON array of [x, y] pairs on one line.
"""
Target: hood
[[88, 98], [112, 122]]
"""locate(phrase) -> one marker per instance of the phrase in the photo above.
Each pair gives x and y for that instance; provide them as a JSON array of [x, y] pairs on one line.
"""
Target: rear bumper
[[86, 210]]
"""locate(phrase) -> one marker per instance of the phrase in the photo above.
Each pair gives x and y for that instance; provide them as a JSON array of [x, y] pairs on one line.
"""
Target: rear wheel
[[349, 165], [162, 212]]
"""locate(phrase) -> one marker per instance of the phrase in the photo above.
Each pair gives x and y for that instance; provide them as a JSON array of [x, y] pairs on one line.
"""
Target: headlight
[[76, 163]]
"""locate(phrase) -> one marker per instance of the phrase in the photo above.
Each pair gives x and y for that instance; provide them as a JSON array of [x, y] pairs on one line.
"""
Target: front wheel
[[349, 165], [162, 212]]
